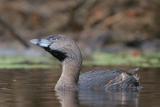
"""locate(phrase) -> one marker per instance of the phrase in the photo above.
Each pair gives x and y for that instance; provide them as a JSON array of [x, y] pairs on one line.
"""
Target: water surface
[[35, 88]]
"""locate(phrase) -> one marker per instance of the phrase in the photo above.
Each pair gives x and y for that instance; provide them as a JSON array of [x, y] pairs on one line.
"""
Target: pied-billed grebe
[[67, 51]]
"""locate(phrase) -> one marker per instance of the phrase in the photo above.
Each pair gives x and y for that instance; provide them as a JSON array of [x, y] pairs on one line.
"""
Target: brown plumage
[[67, 51]]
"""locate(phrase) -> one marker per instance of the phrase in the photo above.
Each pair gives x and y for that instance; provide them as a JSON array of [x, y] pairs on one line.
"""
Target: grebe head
[[59, 46]]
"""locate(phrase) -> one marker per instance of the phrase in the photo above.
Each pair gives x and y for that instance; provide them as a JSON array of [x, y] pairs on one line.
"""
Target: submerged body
[[108, 80], [67, 51], [96, 80]]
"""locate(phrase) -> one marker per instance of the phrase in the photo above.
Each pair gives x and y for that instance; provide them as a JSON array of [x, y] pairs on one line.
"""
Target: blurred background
[[110, 33], [105, 26]]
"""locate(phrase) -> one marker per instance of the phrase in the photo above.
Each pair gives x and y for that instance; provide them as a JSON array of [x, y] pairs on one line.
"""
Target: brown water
[[25, 88]]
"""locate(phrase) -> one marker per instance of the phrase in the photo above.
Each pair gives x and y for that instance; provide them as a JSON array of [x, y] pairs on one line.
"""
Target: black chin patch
[[58, 54]]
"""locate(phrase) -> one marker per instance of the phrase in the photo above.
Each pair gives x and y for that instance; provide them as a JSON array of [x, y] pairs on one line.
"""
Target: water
[[25, 88]]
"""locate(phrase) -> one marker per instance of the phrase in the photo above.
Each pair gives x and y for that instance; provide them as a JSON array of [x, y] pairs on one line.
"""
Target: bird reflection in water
[[97, 98]]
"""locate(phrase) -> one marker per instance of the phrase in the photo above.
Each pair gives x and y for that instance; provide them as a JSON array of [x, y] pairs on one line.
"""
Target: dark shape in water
[[67, 51], [91, 98]]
